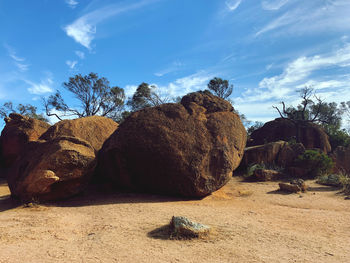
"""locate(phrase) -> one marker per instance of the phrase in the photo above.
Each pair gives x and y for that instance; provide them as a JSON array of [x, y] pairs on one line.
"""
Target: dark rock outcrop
[[187, 149], [278, 153], [309, 134], [51, 170], [19, 130], [93, 129], [341, 158]]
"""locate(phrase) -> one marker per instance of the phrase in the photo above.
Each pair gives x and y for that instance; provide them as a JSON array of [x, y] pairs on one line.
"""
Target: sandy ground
[[252, 223]]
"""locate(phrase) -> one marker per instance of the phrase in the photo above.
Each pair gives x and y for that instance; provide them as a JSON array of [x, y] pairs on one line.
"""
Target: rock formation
[[51, 170], [19, 130], [341, 157], [309, 134], [93, 129], [278, 153], [187, 149]]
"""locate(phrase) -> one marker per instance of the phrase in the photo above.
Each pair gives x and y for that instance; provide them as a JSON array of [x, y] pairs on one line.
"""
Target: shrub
[[315, 163]]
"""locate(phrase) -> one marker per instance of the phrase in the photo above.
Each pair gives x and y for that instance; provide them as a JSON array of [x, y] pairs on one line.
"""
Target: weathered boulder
[[267, 175], [294, 186], [187, 149], [93, 129], [341, 157], [183, 228], [18, 131], [51, 170], [309, 134]]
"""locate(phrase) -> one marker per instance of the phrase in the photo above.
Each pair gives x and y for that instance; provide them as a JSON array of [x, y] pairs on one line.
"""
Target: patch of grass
[[341, 180]]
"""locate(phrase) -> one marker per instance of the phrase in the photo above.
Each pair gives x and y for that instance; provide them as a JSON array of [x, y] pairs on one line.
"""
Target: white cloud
[[45, 86], [311, 71], [18, 61], [71, 64], [233, 4], [83, 29], [72, 3], [80, 54], [130, 90], [273, 4], [175, 66], [182, 86], [82, 32], [310, 17], [22, 67]]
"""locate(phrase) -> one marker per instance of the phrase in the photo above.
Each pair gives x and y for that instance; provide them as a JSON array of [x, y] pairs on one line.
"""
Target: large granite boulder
[[93, 129], [51, 170], [18, 131], [341, 158], [309, 134], [187, 149]]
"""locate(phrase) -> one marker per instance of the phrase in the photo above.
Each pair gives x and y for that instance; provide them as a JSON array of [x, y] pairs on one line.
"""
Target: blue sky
[[266, 48]]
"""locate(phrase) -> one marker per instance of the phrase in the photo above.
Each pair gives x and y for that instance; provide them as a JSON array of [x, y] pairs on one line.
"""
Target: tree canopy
[[313, 109], [26, 110], [146, 96], [220, 87], [94, 94]]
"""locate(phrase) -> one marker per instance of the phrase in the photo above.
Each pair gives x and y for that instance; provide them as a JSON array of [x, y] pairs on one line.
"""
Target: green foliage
[[220, 87], [340, 179], [337, 137], [255, 126], [25, 110], [313, 110], [146, 96], [255, 166], [315, 163], [94, 94]]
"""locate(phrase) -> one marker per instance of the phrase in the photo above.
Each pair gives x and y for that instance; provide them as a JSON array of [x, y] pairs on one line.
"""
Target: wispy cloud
[[45, 86], [304, 71], [72, 3], [18, 61], [83, 29], [80, 54], [310, 16], [71, 64], [175, 66], [273, 4], [233, 4]]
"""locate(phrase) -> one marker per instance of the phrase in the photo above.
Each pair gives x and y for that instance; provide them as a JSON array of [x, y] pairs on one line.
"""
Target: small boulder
[[51, 170], [18, 131], [93, 129], [183, 228], [267, 175], [187, 149], [294, 186]]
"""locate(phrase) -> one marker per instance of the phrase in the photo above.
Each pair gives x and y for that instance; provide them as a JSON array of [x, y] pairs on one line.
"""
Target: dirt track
[[252, 223]]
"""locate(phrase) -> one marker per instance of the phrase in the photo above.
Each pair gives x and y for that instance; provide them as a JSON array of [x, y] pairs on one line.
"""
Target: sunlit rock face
[[188, 149]]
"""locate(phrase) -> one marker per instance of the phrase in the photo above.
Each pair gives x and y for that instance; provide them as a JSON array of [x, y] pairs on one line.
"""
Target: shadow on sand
[[162, 233], [92, 196]]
